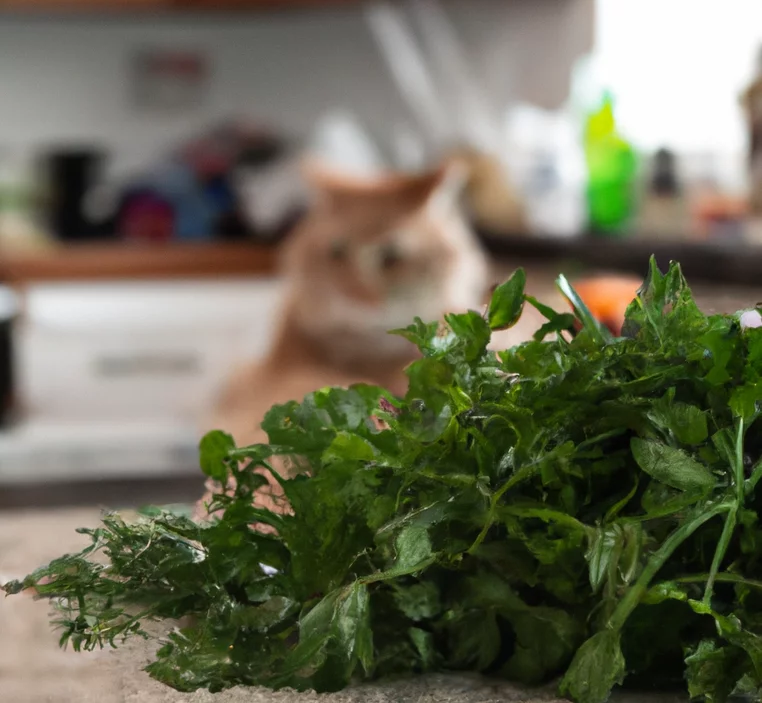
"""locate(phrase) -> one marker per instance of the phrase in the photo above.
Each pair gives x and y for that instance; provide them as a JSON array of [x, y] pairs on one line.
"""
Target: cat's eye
[[338, 250], [390, 257]]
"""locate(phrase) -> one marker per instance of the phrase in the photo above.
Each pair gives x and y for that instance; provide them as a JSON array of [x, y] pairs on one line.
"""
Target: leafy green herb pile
[[583, 509]]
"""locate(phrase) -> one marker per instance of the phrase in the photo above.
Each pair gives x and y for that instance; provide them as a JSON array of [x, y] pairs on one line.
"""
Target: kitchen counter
[[711, 297], [718, 260], [34, 670]]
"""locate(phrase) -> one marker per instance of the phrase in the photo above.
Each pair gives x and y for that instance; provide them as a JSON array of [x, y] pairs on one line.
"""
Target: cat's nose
[[390, 257]]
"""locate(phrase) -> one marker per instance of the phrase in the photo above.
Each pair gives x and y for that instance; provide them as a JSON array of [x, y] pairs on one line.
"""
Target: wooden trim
[[125, 6], [120, 261], [78, 6], [212, 5]]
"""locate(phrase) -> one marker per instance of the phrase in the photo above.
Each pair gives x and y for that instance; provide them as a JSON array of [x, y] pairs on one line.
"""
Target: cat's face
[[372, 255]]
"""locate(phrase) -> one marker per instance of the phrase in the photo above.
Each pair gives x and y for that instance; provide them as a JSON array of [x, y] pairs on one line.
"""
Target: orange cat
[[369, 257]]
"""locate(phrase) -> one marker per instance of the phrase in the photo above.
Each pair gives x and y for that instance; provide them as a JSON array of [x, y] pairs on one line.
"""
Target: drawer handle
[[147, 364]]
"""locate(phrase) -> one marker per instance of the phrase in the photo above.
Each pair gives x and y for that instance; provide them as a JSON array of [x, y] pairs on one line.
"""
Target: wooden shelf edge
[[121, 8], [84, 262]]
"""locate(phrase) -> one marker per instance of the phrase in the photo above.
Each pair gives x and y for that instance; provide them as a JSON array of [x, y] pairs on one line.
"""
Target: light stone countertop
[[34, 670]]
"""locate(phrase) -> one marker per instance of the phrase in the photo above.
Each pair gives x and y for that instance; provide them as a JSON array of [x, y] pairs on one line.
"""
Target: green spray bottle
[[611, 172]]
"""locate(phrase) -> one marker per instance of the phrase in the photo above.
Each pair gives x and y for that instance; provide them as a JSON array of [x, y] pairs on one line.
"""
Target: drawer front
[[130, 372], [135, 375]]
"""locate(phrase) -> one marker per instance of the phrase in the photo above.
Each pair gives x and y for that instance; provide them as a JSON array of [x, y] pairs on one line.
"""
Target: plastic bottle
[[18, 226], [663, 210], [611, 171]]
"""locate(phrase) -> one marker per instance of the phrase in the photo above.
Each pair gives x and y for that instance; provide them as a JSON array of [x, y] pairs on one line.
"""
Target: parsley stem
[[720, 578], [522, 474], [731, 518], [658, 559], [719, 553]]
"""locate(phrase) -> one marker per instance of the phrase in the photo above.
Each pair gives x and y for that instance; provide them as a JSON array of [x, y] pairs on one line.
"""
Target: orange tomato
[[607, 297]]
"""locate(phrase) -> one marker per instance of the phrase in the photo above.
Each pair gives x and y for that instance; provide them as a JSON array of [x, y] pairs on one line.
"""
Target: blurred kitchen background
[[148, 175]]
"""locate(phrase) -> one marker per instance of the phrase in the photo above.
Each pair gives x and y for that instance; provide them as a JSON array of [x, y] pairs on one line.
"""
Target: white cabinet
[[112, 378], [138, 350]]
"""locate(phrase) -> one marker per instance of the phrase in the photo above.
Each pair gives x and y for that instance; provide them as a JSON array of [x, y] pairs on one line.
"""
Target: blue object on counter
[[197, 208], [195, 215]]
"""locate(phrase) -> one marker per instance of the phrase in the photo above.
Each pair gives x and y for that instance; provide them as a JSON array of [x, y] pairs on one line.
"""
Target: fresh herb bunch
[[583, 508]]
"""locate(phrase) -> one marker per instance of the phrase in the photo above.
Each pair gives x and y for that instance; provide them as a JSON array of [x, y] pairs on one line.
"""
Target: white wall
[[68, 79], [677, 69]]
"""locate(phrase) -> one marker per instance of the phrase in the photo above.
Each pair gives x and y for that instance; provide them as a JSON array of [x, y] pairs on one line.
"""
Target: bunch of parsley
[[583, 509]]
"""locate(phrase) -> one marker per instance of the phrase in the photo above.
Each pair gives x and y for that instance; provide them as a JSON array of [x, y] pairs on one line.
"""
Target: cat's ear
[[452, 180], [439, 189], [323, 179], [332, 185]]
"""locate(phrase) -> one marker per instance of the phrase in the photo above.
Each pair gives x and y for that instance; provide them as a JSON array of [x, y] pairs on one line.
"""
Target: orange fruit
[[607, 297]]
